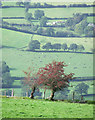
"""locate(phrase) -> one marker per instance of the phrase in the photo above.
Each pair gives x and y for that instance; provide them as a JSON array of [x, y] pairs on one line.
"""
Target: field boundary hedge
[[88, 95], [28, 32], [52, 6], [33, 18], [13, 17]]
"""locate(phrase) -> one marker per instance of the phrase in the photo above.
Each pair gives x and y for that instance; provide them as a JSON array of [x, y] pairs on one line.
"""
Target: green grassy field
[[89, 83], [15, 39], [18, 21], [49, 12], [21, 21], [27, 108], [37, 60]]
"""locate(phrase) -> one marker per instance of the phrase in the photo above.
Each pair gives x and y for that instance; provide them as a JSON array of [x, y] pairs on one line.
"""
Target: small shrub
[[26, 98], [90, 102], [4, 96], [47, 99], [70, 101], [66, 101], [76, 100]]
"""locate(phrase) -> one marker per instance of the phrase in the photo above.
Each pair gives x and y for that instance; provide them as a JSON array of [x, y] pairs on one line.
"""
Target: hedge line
[[51, 6], [28, 32]]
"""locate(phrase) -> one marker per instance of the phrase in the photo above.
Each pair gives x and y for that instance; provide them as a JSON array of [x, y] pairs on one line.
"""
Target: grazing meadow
[[44, 109]]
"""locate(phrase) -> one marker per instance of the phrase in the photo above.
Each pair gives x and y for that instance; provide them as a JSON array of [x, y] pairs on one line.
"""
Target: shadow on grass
[[17, 78], [4, 46], [13, 69], [53, 51]]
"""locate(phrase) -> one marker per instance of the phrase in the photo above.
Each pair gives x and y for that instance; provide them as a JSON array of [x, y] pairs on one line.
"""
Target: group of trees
[[28, 4], [50, 31], [78, 91], [79, 5], [25, 3], [79, 24], [52, 76], [35, 44], [46, 5], [75, 93], [6, 76], [64, 46], [56, 46], [37, 15], [77, 18], [85, 28]]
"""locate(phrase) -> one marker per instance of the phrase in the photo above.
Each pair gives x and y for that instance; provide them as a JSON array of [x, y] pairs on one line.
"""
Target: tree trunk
[[32, 93], [73, 95], [52, 95], [44, 94], [81, 98]]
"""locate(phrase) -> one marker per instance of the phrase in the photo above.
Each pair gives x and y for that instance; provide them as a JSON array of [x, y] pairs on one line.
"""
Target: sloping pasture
[[12, 38], [27, 108], [80, 64], [17, 60]]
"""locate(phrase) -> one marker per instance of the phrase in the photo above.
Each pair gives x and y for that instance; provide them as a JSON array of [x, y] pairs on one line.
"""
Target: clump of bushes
[[58, 46]]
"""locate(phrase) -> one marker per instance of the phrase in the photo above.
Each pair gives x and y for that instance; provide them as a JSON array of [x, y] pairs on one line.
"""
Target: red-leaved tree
[[53, 77], [30, 80]]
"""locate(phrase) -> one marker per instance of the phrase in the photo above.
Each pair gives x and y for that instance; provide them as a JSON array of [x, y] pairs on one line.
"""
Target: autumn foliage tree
[[53, 77], [30, 80]]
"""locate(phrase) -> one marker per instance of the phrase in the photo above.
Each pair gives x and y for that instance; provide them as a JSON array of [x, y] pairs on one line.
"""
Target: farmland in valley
[[15, 44]]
